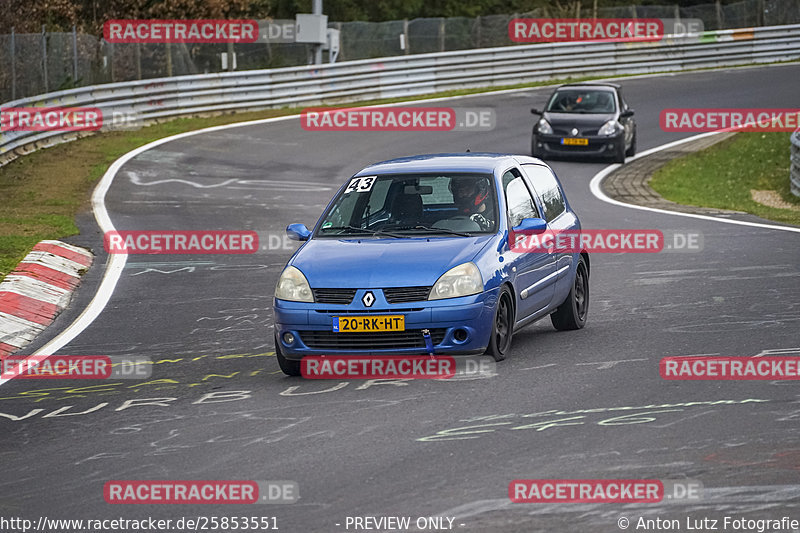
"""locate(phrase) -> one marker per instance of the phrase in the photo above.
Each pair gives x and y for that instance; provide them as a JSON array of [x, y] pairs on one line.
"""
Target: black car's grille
[[582, 132], [334, 296], [401, 295], [328, 340]]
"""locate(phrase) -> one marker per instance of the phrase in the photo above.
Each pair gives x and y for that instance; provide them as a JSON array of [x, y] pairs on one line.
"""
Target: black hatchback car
[[585, 119]]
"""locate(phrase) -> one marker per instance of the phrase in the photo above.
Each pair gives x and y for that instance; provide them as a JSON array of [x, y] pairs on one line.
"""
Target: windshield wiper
[[444, 230], [372, 232]]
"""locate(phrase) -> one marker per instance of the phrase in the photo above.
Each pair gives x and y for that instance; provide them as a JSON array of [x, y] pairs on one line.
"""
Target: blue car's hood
[[376, 263]]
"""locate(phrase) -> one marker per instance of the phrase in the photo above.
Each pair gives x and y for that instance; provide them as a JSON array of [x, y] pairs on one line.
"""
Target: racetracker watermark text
[[746, 119], [67, 119], [730, 368], [398, 119], [395, 367], [200, 492], [585, 490], [181, 31], [74, 367], [606, 241], [543, 30], [181, 242]]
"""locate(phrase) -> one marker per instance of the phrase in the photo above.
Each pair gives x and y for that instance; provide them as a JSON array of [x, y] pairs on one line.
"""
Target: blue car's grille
[[328, 340], [334, 296], [401, 295]]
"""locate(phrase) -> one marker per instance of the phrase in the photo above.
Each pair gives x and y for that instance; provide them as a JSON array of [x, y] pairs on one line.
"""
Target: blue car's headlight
[[463, 280], [293, 286], [610, 128]]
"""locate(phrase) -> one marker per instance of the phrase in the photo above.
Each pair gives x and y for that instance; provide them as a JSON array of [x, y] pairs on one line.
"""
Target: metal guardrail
[[794, 173], [165, 98]]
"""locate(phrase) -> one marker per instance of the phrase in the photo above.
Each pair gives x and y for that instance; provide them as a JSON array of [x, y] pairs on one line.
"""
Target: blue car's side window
[[546, 186], [518, 198]]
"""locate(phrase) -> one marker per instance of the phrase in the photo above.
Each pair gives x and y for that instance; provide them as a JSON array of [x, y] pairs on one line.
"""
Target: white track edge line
[[597, 180]]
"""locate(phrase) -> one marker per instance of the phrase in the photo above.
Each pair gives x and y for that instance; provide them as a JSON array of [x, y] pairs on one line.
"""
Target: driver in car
[[470, 196]]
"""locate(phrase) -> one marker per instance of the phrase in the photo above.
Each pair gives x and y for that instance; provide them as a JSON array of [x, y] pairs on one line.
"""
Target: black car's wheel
[[632, 150], [289, 367], [572, 313], [502, 327], [619, 153]]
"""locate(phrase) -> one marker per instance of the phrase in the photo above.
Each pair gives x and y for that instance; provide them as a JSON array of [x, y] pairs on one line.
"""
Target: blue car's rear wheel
[[503, 326], [572, 313], [289, 367]]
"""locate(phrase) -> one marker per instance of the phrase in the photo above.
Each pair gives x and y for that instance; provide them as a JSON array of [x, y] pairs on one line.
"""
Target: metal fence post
[[44, 59], [405, 36], [74, 56], [13, 66], [169, 59], [138, 61]]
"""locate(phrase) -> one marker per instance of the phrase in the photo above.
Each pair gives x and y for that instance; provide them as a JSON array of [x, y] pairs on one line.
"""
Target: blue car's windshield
[[408, 205]]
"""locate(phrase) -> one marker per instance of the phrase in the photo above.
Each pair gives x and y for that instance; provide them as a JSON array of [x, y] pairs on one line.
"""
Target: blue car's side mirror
[[531, 226], [298, 232]]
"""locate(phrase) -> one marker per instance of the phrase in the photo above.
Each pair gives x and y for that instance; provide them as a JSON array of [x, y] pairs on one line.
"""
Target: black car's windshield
[[582, 101], [410, 205]]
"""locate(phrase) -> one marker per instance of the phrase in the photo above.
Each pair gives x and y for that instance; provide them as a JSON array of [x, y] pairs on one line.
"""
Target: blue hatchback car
[[414, 256]]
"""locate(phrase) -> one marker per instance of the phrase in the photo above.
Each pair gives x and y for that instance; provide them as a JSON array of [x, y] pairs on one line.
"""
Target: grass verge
[[722, 176]]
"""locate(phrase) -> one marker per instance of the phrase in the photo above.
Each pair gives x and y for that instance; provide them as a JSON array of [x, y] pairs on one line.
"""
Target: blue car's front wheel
[[288, 366], [503, 326]]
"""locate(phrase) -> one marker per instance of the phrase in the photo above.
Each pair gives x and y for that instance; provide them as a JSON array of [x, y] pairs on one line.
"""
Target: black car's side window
[[623, 105], [518, 198], [546, 186]]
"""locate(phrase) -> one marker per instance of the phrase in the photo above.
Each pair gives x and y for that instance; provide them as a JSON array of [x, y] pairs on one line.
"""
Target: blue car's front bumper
[[456, 326]]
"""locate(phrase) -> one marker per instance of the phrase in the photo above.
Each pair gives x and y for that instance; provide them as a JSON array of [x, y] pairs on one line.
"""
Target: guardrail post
[[794, 173]]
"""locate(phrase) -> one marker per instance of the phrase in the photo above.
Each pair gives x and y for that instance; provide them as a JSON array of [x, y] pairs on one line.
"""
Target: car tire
[[288, 366], [619, 153], [502, 326], [632, 150], [572, 313]]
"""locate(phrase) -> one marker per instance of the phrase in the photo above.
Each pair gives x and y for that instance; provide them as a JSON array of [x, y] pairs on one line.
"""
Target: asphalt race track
[[218, 407]]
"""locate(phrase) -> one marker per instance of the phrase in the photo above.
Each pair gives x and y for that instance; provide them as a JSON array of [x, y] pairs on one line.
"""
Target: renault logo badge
[[574, 131], [368, 299]]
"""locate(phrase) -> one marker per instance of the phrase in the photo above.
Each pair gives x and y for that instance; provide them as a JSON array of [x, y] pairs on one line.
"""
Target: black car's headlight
[[611, 127], [544, 127]]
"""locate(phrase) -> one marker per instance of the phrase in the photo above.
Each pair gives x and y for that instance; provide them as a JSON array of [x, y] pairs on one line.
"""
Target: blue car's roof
[[459, 162]]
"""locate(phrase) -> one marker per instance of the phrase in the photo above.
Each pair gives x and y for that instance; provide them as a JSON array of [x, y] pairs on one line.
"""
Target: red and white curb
[[38, 290]]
